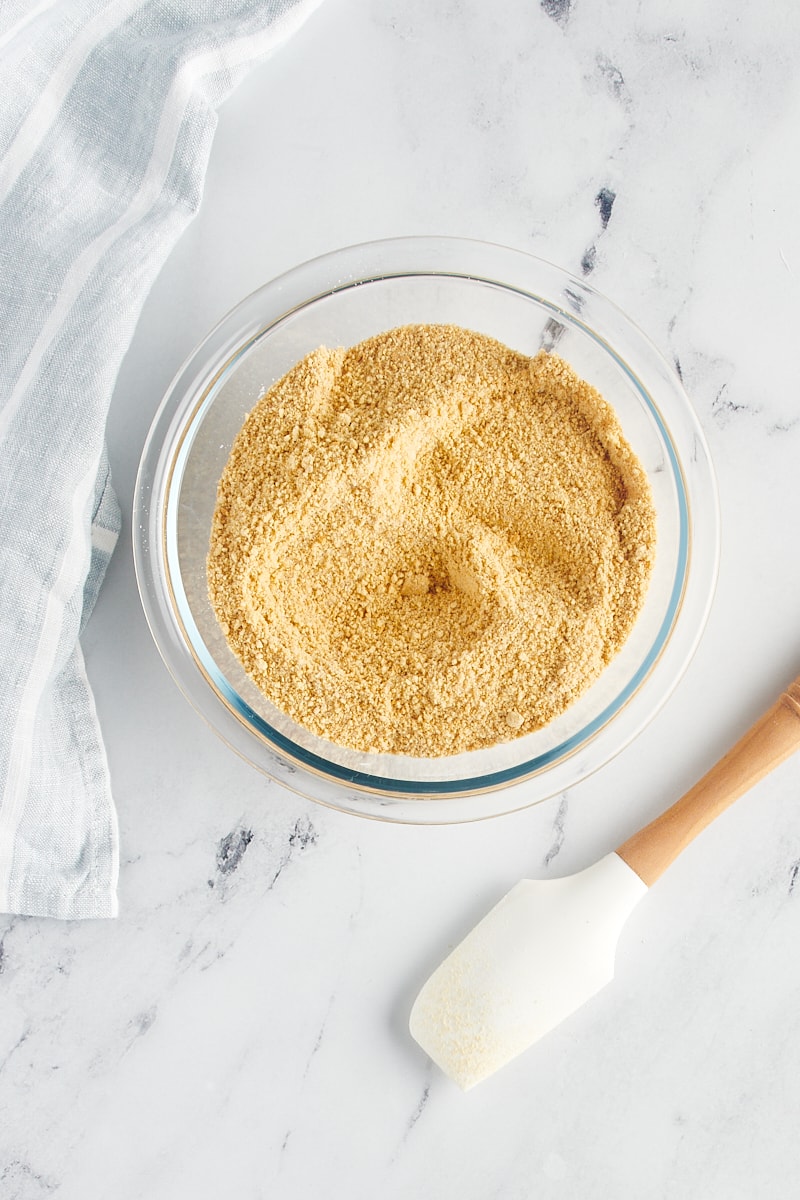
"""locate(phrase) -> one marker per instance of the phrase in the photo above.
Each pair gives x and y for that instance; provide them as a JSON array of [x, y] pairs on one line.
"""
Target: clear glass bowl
[[340, 299]]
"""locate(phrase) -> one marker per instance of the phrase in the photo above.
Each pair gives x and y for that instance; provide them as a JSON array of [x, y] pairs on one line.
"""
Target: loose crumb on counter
[[429, 543]]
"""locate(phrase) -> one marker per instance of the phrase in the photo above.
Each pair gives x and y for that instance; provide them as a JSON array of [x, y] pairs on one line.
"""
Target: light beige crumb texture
[[429, 543]]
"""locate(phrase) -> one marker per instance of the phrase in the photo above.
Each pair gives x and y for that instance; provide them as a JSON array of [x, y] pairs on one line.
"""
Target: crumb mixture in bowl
[[429, 543]]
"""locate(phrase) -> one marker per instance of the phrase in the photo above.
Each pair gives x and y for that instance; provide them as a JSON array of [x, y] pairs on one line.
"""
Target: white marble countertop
[[241, 1029]]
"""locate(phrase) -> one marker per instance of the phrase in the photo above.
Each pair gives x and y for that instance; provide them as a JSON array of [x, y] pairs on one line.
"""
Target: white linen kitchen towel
[[107, 111]]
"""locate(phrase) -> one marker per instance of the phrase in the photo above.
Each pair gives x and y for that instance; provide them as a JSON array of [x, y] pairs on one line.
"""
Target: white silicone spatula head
[[549, 945], [541, 953]]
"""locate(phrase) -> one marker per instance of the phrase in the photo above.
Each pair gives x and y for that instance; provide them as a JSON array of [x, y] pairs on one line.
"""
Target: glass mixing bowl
[[338, 300]]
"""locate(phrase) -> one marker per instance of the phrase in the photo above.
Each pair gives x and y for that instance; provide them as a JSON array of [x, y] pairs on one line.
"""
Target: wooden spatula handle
[[772, 739]]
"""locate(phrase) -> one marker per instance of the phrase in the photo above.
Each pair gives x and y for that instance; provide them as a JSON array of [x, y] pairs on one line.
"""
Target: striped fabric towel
[[106, 121]]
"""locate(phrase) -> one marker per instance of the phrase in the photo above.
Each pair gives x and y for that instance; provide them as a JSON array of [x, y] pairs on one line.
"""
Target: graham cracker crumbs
[[429, 543]]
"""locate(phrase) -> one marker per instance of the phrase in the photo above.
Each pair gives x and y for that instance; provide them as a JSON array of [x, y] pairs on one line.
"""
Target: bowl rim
[[172, 623]]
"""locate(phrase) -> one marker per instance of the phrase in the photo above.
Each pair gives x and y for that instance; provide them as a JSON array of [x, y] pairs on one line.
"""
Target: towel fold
[[106, 124]]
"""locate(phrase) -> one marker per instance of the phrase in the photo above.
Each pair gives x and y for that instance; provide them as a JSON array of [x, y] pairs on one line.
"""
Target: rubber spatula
[[549, 945]]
